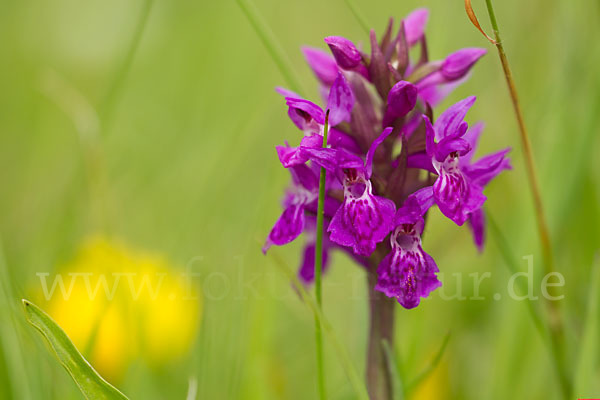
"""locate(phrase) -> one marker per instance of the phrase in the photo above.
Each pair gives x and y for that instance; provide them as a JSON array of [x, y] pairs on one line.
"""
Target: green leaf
[[91, 384], [431, 367], [395, 370], [588, 352], [10, 339]]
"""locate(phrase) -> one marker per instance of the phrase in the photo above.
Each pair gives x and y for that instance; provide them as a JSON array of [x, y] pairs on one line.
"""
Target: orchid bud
[[400, 101], [344, 51], [459, 63]]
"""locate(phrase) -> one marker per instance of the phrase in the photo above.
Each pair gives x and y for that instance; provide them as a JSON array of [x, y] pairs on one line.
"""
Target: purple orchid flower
[[407, 273], [365, 93], [456, 195], [304, 191], [363, 219], [458, 190], [310, 118]]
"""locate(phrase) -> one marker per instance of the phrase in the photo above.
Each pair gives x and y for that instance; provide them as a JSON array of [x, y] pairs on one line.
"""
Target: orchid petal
[[371, 153], [452, 145], [488, 167], [287, 228], [407, 273], [306, 109], [414, 25], [454, 194], [287, 93], [340, 101], [322, 64], [472, 136], [333, 159], [477, 225], [362, 221], [459, 63], [450, 122], [420, 160], [302, 175], [341, 140]]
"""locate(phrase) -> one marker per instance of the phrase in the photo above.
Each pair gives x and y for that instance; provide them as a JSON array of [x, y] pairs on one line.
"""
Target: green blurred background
[[184, 165]]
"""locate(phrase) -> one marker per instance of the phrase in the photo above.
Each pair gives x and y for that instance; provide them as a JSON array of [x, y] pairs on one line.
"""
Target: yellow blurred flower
[[435, 386], [119, 304]]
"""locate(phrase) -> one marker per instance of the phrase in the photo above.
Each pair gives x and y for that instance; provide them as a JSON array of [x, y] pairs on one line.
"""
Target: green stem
[[555, 325], [527, 151], [319, 266], [336, 345]]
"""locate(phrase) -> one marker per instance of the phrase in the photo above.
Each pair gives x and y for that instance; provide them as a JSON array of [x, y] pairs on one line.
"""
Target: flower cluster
[[387, 162]]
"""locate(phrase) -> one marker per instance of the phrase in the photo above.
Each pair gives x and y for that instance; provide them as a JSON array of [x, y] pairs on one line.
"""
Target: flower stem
[[381, 329], [555, 323], [319, 266]]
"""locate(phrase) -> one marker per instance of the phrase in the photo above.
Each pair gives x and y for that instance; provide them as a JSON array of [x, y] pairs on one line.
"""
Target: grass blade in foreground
[[394, 366], [554, 320], [431, 367], [343, 357], [10, 344], [588, 351], [91, 384], [273, 47], [319, 268]]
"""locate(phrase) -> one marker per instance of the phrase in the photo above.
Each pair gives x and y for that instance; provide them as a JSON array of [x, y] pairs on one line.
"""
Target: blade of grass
[[542, 326], [554, 320], [429, 368], [192, 393], [340, 350], [271, 44], [108, 105], [359, 17], [394, 366], [9, 336], [278, 55], [513, 268], [319, 267], [86, 122], [90, 383], [588, 351]]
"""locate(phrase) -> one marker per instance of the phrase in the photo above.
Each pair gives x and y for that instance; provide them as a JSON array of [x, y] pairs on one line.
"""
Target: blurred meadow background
[[162, 160]]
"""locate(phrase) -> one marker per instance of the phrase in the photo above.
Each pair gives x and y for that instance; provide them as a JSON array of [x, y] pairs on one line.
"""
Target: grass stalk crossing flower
[[554, 320], [319, 267]]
